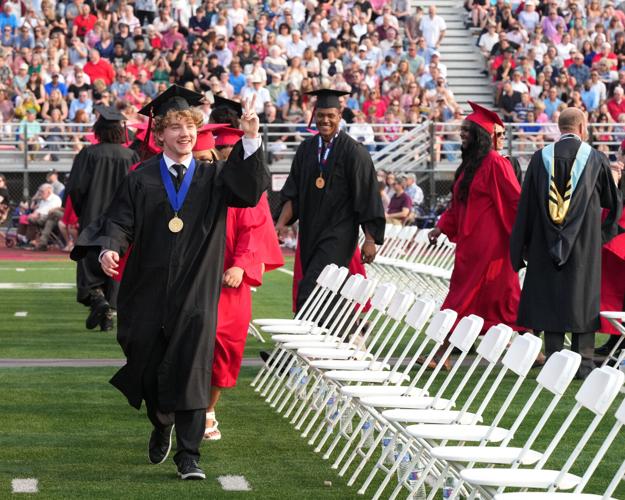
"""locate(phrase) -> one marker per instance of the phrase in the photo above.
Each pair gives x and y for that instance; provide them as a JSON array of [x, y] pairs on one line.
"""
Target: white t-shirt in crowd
[[44, 206], [432, 28]]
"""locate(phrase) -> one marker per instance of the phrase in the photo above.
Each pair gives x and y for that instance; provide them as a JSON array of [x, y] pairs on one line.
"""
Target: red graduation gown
[[483, 281], [613, 277], [251, 242]]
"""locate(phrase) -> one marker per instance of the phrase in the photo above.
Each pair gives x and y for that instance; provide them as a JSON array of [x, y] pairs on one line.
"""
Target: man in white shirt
[[44, 201], [313, 37], [433, 28], [257, 90], [295, 47], [298, 10]]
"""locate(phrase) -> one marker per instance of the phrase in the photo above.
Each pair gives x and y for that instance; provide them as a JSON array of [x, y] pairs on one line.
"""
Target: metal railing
[[430, 149]]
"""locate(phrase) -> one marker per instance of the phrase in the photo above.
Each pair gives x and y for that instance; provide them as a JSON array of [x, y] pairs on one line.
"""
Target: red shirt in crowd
[[615, 108], [84, 24], [102, 70]]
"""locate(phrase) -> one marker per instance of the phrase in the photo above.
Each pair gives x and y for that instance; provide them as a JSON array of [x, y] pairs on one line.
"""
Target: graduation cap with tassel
[[175, 98], [326, 98], [108, 114]]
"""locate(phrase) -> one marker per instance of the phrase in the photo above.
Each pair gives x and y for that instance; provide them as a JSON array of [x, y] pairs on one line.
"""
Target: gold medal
[[320, 183], [175, 224]]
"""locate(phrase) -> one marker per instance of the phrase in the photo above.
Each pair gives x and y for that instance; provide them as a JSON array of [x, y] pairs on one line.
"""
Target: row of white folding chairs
[[408, 258], [388, 420]]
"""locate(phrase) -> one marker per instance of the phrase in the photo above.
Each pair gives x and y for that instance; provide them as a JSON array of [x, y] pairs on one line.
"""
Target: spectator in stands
[[508, 101], [98, 68], [43, 202], [413, 190], [55, 84], [82, 103], [30, 132], [52, 178], [399, 205], [616, 105]]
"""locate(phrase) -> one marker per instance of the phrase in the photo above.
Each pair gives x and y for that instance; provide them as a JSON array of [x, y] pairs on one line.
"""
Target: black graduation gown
[[562, 285], [171, 282], [97, 172], [329, 218]]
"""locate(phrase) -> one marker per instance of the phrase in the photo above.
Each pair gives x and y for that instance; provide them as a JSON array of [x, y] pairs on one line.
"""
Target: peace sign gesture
[[249, 120]]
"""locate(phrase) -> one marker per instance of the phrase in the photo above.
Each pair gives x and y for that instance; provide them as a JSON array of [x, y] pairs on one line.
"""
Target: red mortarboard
[[205, 137], [485, 118], [227, 136], [141, 131], [91, 138]]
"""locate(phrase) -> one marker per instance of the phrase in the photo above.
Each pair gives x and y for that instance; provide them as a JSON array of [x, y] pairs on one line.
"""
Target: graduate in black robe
[[97, 172], [167, 307], [559, 233], [332, 189]]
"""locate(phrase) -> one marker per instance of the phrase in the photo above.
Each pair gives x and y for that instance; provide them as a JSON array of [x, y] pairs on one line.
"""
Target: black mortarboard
[[228, 103], [327, 98], [175, 97], [109, 113]]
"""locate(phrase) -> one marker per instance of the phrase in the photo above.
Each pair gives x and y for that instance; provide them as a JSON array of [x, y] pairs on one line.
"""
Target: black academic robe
[[561, 290], [171, 282], [329, 218], [96, 174]]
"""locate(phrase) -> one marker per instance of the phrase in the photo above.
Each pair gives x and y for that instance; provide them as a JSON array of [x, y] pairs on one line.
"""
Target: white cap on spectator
[[362, 47], [296, 32], [256, 79], [435, 53], [23, 66]]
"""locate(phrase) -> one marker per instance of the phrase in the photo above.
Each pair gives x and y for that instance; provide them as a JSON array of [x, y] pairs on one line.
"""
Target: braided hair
[[479, 145]]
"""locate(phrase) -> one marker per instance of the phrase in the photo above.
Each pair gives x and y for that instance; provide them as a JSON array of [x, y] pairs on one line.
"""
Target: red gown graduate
[[483, 281], [252, 245], [613, 277]]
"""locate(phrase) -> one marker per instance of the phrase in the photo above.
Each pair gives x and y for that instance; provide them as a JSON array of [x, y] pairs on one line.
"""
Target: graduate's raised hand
[[233, 277], [110, 263], [433, 235], [250, 124]]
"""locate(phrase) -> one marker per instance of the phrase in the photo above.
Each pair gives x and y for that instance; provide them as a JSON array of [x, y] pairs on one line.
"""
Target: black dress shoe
[[160, 445], [107, 324], [189, 469], [584, 370], [99, 307], [606, 348]]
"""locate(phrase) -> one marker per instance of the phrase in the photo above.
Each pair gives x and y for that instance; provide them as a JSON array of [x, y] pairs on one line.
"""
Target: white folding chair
[[554, 378], [596, 395]]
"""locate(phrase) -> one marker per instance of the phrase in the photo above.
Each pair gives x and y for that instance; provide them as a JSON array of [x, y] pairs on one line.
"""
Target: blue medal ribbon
[[176, 199], [323, 160]]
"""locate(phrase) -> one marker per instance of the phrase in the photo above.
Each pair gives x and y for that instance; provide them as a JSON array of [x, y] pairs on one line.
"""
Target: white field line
[[36, 286], [234, 483], [23, 269], [29, 485], [285, 271], [21, 314]]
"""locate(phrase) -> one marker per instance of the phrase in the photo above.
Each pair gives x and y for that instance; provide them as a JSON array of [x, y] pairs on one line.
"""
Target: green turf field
[[72, 431]]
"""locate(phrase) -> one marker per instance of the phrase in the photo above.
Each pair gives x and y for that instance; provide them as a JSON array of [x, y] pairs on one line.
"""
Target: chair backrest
[[400, 304], [466, 332], [558, 371], [351, 286], [494, 342], [522, 354], [440, 325], [326, 276], [339, 279], [364, 291], [600, 389], [419, 313], [382, 296]]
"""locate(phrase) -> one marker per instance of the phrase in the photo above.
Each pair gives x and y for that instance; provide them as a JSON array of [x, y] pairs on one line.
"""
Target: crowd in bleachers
[[545, 56], [58, 59]]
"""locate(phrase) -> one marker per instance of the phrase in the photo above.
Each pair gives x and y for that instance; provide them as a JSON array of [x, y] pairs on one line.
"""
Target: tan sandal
[[212, 433]]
